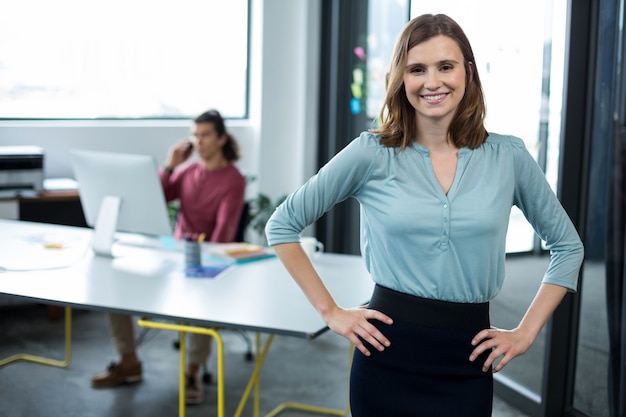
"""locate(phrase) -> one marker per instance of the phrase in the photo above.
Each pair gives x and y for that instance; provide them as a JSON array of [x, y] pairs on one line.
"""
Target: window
[[76, 59]]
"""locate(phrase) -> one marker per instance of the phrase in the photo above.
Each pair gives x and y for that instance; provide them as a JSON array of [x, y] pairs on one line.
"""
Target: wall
[[59, 137], [278, 141], [289, 100]]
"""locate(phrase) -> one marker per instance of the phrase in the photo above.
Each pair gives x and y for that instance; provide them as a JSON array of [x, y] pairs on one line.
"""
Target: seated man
[[211, 195]]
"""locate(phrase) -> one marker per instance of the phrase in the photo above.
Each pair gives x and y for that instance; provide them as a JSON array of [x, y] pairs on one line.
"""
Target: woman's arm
[[353, 324], [341, 178], [507, 344], [543, 210]]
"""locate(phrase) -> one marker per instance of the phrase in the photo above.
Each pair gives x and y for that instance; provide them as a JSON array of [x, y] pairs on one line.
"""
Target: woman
[[435, 190], [211, 194]]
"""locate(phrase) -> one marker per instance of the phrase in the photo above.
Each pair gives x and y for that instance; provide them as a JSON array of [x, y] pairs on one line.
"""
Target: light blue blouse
[[418, 240]]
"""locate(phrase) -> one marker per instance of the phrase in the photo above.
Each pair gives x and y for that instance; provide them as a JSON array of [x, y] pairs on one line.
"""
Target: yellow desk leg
[[311, 408], [182, 349], [257, 385], [183, 329], [45, 361], [254, 380]]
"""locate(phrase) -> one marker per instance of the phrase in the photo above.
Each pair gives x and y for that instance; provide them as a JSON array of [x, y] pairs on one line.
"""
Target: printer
[[21, 170]]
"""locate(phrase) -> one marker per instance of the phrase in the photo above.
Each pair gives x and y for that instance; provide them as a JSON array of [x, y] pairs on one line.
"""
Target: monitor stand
[[106, 223]]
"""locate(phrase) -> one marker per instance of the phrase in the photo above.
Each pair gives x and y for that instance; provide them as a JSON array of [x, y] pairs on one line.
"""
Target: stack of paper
[[239, 252]]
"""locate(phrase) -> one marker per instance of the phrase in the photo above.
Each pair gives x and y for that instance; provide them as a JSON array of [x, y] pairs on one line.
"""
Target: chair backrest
[[243, 222]]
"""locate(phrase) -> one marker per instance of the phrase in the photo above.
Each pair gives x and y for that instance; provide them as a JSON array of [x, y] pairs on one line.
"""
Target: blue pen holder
[[192, 253]]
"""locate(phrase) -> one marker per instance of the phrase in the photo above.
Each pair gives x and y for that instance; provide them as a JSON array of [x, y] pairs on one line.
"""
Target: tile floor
[[311, 372]]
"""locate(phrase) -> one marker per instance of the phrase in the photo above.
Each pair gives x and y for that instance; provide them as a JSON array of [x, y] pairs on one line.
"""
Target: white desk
[[258, 296]]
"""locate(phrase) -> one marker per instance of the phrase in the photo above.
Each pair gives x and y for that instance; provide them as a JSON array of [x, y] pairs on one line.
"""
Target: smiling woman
[[123, 60]]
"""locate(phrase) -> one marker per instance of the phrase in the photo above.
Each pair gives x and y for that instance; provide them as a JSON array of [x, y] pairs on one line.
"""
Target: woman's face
[[434, 79], [207, 142]]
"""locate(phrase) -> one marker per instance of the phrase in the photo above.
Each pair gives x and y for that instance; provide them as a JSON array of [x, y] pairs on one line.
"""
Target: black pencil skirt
[[426, 371]]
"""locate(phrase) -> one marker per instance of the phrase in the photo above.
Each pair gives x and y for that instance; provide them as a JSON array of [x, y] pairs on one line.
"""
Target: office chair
[[248, 356]]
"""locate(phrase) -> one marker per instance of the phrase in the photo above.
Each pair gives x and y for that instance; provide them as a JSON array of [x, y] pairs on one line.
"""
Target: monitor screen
[[120, 193]]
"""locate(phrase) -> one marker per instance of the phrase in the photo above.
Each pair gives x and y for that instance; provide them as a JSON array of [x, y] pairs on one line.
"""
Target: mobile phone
[[188, 149]]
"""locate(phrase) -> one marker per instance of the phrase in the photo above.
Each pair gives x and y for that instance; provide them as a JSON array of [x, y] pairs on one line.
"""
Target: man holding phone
[[210, 190]]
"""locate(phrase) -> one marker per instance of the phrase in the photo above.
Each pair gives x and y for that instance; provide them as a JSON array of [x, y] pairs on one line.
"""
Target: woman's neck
[[435, 138]]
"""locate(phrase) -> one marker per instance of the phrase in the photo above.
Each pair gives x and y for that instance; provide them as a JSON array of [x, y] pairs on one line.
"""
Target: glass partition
[[599, 370], [590, 384]]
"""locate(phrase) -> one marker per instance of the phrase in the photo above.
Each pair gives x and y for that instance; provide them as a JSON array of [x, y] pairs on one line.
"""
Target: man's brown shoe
[[194, 390], [116, 375]]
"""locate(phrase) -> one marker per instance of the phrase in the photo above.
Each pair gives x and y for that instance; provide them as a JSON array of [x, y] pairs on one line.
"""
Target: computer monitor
[[120, 193]]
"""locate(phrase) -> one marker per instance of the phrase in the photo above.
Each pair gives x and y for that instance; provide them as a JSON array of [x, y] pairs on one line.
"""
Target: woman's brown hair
[[398, 123]]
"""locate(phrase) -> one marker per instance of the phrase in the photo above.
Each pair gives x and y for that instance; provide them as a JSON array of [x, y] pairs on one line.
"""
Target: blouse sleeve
[[336, 181], [549, 219]]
